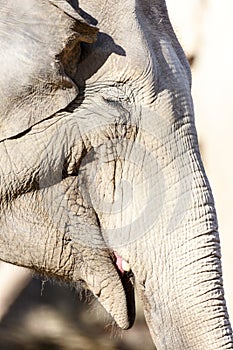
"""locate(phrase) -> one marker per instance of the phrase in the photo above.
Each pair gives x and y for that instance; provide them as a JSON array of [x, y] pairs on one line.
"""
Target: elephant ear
[[39, 53]]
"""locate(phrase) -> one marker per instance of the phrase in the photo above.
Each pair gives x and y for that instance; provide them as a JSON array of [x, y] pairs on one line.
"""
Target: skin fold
[[100, 166]]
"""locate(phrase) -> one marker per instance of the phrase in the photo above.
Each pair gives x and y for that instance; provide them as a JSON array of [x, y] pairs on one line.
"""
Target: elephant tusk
[[125, 266]]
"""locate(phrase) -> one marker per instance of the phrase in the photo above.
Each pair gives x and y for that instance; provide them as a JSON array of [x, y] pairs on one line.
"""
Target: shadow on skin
[[95, 55], [91, 20]]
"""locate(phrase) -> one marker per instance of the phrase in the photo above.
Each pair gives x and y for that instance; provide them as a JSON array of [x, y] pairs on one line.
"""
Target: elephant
[[102, 181]]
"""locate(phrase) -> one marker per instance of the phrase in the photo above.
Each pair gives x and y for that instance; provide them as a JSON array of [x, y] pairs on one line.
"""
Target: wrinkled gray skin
[[99, 154]]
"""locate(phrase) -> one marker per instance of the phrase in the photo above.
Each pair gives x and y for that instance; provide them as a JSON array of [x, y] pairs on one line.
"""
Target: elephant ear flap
[[39, 55]]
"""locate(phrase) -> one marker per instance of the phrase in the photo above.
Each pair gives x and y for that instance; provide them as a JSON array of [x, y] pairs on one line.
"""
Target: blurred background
[[54, 317]]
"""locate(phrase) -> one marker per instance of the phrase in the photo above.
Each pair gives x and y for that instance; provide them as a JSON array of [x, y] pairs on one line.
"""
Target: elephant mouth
[[127, 280], [113, 287]]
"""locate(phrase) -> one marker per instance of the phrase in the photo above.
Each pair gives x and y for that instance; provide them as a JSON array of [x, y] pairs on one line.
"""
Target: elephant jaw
[[112, 286]]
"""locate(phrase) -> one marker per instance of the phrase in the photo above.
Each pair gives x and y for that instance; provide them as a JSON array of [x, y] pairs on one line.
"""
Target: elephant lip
[[127, 280]]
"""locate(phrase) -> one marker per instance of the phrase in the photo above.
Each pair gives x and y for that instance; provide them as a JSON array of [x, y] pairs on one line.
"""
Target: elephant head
[[101, 176]]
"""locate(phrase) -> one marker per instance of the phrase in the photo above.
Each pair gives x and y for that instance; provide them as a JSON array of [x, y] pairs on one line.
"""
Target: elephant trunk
[[183, 295], [180, 277]]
